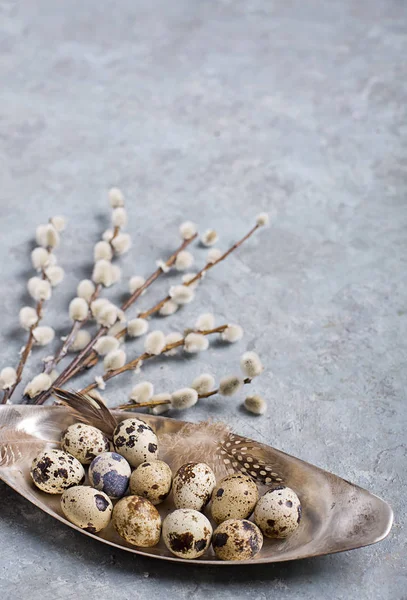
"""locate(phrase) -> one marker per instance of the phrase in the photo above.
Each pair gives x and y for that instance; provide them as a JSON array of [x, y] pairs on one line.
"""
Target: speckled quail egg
[[54, 471], [278, 512], [234, 498], [84, 442], [187, 533], [237, 539], [87, 508], [136, 441], [152, 480], [110, 473], [192, 486], [137, 521]]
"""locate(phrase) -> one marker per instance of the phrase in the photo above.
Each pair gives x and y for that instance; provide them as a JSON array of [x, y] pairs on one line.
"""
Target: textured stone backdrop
[[215, 111]]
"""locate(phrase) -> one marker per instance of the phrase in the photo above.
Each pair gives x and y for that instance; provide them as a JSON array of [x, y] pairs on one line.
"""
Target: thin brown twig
[[152, 403], [72, 368], [93, 358], [133, 364]]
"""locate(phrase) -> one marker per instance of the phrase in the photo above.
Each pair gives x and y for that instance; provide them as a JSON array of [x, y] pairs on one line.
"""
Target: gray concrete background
[[215, 111]]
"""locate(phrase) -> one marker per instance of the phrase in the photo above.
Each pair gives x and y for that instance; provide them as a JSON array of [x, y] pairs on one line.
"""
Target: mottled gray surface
[[215, 111]]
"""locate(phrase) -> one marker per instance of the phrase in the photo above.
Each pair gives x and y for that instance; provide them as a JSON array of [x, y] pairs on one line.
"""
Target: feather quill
[[91, 411]]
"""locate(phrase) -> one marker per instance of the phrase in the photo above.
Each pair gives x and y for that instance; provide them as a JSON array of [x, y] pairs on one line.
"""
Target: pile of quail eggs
[[127, 481]]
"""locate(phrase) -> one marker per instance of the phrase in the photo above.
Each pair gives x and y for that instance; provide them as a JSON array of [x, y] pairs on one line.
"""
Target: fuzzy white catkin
[[116, 273], [39, 289], [161, 264], [255, 404], [116, 197], [262, 219], [51, 237], [106, 344], [172, 338], [40, 258], [230, 385], [119, 217], [107, 235], [98, 305], [187, 230], [160, 409], [184, 260], [59, 222], [28, 317], [137, 327], [53, 375], [232, 334], [184, 398], [205, 321], [209, 238], [85, 289], [100, 382], [135, 283], [250, 364], [38, 384], [189, 277], [213, 255], [114, 360], [203, 383], [55, 275], [155, 342], [81, 340], [195, 342], [142, 392], [121, 243], [43, 335], [107, 316], [78, 309], [181, 294], [102, 251], [168, 308], [8, 377], [102, 273]]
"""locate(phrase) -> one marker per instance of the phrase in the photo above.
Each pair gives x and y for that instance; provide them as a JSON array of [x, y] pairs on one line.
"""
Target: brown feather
[[91, 411]]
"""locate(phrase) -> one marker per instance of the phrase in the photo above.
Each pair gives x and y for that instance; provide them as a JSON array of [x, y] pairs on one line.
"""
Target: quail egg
[[84, 442], [110, 473], [237, 539], [187, 533], [152, 480], [54, 471], [192, 486], [137, 521], [234, 497], [278, 512], [136, 441], [87, 508]]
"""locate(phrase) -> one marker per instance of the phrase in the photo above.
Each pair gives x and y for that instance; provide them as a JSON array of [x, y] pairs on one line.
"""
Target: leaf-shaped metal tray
[[337, 515]]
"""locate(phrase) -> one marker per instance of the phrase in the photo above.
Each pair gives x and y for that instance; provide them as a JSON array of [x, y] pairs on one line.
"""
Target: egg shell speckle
[[136, 441], [237, 539], [110, 473], [137, 521], [152, 480], [54, 471], [234, 497], [278, 512], [87, 508], [187, 533], [84, 442], [192, 486]]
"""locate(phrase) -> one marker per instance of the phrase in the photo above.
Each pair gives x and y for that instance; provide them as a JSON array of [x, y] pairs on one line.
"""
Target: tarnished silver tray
[[337, 515]]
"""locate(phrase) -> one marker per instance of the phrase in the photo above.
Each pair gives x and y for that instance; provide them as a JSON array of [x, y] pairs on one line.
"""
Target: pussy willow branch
[[133, 364], [93, 358], [77, 361], [28, 347], [152, 403], [77, 325]]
